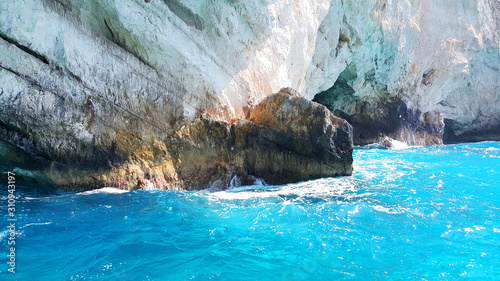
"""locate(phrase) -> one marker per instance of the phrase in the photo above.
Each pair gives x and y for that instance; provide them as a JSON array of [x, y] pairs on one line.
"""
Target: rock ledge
[[285, 139]]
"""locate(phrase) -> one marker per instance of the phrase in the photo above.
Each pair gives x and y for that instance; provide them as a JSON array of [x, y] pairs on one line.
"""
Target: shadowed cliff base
[[285, 139], [380, 116], [99, 92], [451, 135]]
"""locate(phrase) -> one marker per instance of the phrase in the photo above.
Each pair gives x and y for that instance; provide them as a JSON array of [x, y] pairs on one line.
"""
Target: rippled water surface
[[429, 213]]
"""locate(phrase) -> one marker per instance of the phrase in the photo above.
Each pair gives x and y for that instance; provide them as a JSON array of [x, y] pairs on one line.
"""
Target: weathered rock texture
[[88, 83], [286, 138], [407, 68]]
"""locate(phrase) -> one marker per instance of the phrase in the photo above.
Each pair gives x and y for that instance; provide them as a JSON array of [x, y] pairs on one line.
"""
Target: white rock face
[[157, 64], [434, 55]]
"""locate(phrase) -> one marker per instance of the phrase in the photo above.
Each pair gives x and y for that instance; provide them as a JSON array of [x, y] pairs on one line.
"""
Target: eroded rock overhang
[[89, 83]]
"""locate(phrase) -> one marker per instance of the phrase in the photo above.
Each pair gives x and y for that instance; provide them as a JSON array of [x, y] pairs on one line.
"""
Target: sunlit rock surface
[[398, 65], [95, 90], [285, 139]]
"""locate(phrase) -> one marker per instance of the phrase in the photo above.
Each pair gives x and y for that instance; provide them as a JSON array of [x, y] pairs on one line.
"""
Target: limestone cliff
[[411, 69], [89, 86]]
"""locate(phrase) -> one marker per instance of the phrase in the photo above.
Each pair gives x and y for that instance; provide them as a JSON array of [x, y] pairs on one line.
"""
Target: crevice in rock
[[115, 38], [74, 76], [343, 39], [446, 104], [428, 76], [30, 80], [12, 71], [25, 49], [186, 15]]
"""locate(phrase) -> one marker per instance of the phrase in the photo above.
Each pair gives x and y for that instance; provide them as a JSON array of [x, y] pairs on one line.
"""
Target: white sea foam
[[318, 188], [388, 143], [106, 190], [399, 145], [389, 210], [38, 223], [4, 234]]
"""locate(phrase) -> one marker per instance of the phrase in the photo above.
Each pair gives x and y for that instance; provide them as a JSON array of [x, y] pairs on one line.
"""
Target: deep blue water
[[428, 213]]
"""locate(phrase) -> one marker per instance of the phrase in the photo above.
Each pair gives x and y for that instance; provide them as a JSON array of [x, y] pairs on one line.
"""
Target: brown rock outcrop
[[285, 139]]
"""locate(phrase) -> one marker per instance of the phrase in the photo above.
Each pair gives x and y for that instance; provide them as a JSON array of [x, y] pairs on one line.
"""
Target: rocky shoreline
[[285, 139], [176, 94]]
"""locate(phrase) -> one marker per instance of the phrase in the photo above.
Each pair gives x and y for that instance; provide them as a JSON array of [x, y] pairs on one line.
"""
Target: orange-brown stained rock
[[285, 139]]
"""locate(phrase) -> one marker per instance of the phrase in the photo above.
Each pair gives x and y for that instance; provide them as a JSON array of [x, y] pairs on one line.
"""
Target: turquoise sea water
[[428, 213]]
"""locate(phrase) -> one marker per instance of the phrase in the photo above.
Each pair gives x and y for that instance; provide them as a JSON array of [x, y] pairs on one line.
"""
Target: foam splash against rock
[[388, 143]]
